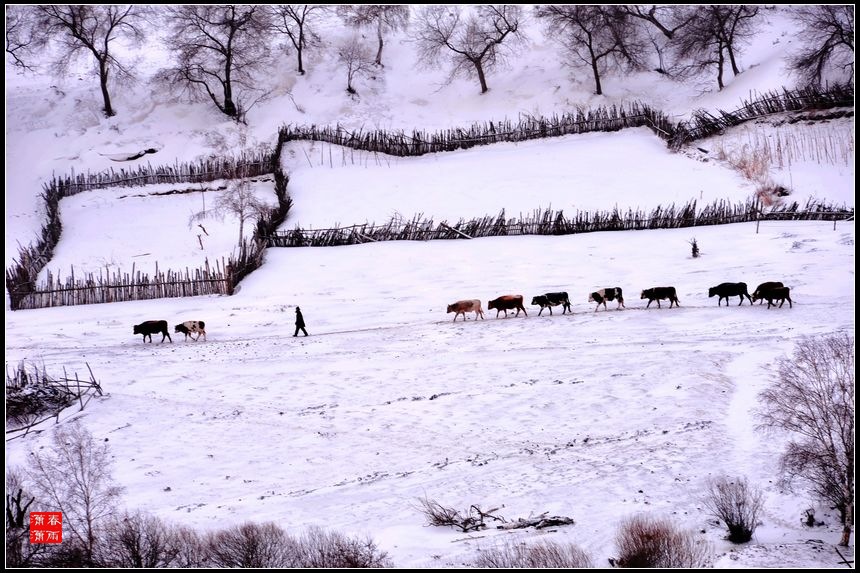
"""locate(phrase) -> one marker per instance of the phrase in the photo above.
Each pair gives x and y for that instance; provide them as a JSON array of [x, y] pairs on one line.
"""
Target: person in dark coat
[[300, 322]]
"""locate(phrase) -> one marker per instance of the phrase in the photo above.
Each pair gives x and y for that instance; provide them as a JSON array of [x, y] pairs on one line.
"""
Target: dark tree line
[[218, 53]]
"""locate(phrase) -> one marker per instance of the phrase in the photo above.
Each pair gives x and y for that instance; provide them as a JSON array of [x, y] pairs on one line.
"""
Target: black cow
[[505, 303], [776, 293], [552, 299], [760, 289], [190, 327], [725, 290], [660, 293], [151, 327], [604, 294]]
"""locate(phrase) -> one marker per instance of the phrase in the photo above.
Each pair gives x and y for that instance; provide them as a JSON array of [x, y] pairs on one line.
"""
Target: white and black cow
[[552, 299], [725, 290], [190, 327], [604, 294], [660, 293], [150, 327]]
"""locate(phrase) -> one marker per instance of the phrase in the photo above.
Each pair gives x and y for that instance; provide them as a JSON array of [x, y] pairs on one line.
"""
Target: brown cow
[[464, 306], [507, 302]]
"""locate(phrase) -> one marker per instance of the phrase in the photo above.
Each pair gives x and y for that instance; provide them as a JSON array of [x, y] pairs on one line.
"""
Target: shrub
[[333, 550], [139, 540], [542, 555], [650, 542], [252, 545], [737, 503]]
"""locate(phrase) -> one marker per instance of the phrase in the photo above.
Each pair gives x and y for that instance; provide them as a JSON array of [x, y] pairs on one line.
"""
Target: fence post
[[756, 222]]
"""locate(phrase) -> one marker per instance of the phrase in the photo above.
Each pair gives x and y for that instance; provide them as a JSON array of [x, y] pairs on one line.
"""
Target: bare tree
[[91, 29], [828, 36], [240, 201], [216, 51], [602, 37], [297, 22], [75, 477], [138, 540], [353, 54], [20, 36], [472, 45], [737, 503], [813, 398], [667, 20], [19, 551], [716, 33], [385, 18]]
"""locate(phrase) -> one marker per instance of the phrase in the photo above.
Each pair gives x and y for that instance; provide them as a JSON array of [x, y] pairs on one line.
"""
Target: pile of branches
[[33, 396], [474, 519]]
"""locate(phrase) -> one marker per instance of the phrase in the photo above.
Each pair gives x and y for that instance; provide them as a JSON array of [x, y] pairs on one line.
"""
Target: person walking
[[300, 322]]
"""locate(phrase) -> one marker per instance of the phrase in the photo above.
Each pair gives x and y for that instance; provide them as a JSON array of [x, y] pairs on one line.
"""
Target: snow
[[595, 415]]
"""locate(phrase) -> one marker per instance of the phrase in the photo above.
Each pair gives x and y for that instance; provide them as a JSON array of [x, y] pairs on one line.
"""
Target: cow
[[150, 327], [464, 306], [505, 303], [190, 327], [725, 290], [550, 300], [781, 293], [660, 293], [604, 294], [764, 287]]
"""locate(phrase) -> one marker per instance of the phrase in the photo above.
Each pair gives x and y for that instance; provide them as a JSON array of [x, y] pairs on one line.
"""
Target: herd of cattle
[[772, 292]]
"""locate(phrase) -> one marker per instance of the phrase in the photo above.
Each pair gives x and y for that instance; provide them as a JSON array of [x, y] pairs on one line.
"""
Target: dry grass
[[650, 542], [542, 555]]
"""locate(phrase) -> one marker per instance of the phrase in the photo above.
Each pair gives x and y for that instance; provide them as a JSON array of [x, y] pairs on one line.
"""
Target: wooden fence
[[204, 170], [120, 287], [705, 124], [549, 222], [401, 144]]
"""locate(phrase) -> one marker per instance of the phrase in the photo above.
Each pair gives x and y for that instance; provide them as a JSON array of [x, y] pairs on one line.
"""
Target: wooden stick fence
[[549, 222], [119, 287]]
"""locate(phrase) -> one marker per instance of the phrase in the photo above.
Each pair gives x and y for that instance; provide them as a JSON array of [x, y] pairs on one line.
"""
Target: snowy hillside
[[596, 415]]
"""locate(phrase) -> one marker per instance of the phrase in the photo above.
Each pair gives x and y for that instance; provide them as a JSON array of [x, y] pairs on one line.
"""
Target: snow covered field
[[597, 415]]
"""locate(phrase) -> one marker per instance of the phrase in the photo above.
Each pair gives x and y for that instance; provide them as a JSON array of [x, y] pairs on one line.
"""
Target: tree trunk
[[381, 42], [598, 89], [299, 45], [479, 67], [103, 79], [735, 69], [229, 104], [720, 61]]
